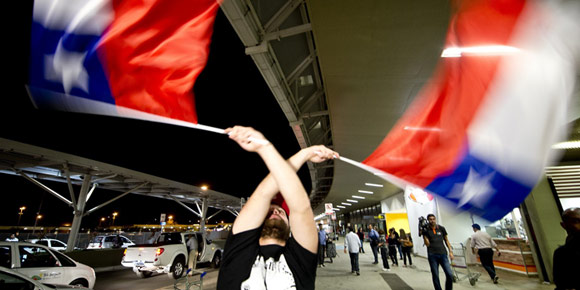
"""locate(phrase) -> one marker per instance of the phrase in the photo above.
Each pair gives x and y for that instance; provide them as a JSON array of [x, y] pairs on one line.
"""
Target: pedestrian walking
[[435, 238], [374, 241], [322, 237], [406, 243], [393, 240], [384, 251], [352, 244], [361, 236], [482, 243]]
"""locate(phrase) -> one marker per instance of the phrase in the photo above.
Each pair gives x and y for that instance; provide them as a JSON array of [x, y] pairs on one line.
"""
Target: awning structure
[[38, 164]]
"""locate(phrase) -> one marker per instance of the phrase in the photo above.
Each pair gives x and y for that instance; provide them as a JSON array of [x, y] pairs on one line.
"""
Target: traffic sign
[[328, 208]]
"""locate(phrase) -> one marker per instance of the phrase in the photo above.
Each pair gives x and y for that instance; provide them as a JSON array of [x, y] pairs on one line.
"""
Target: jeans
[[400, 251], [486, 257], [407, 253], [440, 259], [385, 258], [375, 249], [353, 262], [362, 250], [321, 250]]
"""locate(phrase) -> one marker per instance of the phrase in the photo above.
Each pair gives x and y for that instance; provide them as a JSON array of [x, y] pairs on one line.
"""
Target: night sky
[[230, 91]]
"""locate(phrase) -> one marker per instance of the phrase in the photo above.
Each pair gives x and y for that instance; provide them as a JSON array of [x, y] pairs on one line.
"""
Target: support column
[[78, 213], [203, 215], [544, 220]]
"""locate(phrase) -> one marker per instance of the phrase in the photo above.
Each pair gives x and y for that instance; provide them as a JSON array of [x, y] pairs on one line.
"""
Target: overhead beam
[[281, 15], [184, 205], [68, 202], [113, 199]]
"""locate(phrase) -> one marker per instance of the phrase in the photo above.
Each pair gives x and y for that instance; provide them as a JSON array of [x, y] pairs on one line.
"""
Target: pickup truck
[[169, 254]]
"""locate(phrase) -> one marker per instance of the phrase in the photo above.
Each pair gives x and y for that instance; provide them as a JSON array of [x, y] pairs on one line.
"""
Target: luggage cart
[[185, 283], [460, 261], [330, 250]]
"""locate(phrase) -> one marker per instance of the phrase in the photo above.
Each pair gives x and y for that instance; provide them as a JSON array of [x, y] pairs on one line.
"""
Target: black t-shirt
[[567, 264], [245, 264], [436, 239]]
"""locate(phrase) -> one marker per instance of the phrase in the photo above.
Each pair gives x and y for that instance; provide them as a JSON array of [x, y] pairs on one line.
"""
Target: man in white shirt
[[482, 242], [352, 245], [12, 238]]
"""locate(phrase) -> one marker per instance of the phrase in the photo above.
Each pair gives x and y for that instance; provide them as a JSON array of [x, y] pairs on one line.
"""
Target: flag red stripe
[[154, 51]]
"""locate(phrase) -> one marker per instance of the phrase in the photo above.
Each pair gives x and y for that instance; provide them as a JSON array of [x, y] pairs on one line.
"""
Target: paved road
[[125, 279]]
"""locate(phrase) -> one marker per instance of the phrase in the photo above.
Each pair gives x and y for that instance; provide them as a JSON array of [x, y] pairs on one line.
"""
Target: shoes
[[374, 263], [352, 272], [321, 266], [385, 269], [495, 280], [357, 273]]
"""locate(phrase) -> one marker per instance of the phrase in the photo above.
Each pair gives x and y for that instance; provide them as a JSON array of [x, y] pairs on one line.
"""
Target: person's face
[[12, 236], [276, 212], [370, 227], [432, 221]]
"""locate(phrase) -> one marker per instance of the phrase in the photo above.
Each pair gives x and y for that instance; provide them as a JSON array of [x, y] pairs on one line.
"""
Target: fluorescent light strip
[[340, 206], [479, 50], [352, 200], [365, 191], [359, 197], [373, 184], [336, 209], [346, 203], [567, 145]]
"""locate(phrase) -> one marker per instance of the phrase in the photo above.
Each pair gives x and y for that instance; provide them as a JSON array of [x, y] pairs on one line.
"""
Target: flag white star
[[476, 190], [67, 68]]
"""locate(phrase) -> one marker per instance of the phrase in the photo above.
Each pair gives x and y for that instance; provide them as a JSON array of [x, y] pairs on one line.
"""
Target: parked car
[[51, 243], [110, 241], [169, 254], [10, 279], [45, 265]]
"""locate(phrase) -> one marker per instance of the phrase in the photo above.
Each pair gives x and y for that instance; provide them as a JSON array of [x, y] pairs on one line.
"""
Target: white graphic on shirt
[[269, 274]]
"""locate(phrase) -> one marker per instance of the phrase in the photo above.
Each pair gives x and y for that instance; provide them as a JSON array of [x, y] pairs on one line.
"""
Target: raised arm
[[283, 179]]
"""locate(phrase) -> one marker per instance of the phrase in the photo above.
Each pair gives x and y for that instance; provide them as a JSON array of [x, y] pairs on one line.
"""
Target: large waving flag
[[134, 58], [479, 134]]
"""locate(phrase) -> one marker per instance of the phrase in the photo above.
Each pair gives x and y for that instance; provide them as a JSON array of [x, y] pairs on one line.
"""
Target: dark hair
[[430, 215], [476, 226], [569, 213], [350, 229]]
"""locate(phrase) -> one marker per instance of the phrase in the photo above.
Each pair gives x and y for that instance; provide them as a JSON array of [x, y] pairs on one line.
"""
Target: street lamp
[[36, 221], [101, 221], [114, 216], [204, 187], [22, 208]]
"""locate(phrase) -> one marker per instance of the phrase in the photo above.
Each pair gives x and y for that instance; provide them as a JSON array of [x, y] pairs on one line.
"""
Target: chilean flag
[[480, 133], [137, 58]]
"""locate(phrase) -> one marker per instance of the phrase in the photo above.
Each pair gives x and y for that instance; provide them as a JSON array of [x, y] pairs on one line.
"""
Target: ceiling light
[[479, 50], [346, 203], [336, 209], [373, 184], [340, 206], [352, 200], [567, 145], [365, 191], [359, 197]]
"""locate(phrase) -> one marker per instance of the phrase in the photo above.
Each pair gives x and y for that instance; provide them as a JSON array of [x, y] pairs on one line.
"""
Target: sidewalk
[[337, 275]]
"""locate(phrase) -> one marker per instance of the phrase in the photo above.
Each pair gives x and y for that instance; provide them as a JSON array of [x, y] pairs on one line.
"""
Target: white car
[[110, 241], [51, 243], [45, 265], [13, 280]]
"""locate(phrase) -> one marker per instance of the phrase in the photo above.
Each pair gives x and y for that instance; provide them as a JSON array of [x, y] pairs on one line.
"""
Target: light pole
[[22, 208], [36, 221], [114, 216]]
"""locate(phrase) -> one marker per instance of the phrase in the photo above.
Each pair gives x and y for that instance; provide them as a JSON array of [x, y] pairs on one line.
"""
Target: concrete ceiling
[[374, 56]]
